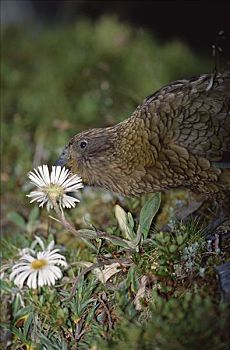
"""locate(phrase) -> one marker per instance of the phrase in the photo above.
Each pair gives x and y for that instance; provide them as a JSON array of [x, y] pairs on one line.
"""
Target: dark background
[[195, 22]]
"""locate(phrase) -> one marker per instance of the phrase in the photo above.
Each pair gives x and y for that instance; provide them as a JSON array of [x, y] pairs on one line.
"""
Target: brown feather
[[178, 137]]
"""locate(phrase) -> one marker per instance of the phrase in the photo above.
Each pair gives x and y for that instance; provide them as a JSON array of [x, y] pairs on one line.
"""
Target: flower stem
[[88, 234]]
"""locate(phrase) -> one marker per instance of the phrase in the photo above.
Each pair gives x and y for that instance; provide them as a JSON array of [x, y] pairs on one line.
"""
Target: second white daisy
[[38, 269], [59, 186]]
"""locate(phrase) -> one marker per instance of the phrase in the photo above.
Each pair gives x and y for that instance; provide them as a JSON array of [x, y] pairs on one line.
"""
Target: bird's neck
[[132, 145]]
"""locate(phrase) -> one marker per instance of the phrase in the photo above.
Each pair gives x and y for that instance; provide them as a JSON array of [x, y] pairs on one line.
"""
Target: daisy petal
[[20, 278], [39, 271], [56, 184]]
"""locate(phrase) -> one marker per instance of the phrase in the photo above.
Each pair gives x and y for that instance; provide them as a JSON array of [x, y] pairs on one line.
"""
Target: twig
[[107, 312]]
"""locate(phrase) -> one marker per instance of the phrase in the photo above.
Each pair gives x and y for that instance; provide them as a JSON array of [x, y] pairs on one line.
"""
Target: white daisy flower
[[38, 269], [59, 186]]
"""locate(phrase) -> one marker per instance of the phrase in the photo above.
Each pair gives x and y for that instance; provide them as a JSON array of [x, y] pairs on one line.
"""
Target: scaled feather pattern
[[179, 137]]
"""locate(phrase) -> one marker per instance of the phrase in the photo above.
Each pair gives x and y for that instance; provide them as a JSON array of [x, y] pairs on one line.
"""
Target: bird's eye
[[83, 144]]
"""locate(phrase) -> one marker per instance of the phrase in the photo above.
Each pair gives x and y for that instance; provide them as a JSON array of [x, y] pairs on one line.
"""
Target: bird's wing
[[195, 114]]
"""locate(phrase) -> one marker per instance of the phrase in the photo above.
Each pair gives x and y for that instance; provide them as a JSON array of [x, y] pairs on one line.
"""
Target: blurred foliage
[[57, 82], [186, 323]]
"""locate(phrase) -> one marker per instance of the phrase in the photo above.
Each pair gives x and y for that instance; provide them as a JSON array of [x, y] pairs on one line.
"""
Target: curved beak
[[63, 160]]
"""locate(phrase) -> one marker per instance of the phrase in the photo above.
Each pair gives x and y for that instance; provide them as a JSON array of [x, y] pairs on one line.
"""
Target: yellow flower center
[[54, 190], [39, 264]]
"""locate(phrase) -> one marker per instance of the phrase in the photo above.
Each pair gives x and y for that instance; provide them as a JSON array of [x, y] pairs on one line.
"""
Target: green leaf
[[27, 324], [17, 332], [148, 212], [172, 248], [123, 221], [180, 239], [132, 279], [17, 219], [5, 286], [91, 234], [86, 234], [50, 344], [131, 221], [22, 312], [34, 214], [90, 245], [120, 242]]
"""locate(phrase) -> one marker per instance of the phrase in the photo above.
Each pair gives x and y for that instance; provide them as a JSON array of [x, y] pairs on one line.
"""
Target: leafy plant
[[128, 285]]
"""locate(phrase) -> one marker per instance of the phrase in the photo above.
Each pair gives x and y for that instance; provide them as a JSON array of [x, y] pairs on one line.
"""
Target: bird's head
[[90, 154], [113, 158]]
